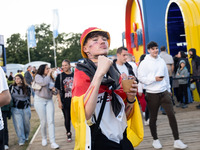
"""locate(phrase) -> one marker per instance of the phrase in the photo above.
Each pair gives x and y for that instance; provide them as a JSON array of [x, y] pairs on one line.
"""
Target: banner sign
[[31, 37], [55, 23]]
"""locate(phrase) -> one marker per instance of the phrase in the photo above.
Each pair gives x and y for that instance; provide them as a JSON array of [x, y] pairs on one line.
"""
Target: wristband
[[130, 102]]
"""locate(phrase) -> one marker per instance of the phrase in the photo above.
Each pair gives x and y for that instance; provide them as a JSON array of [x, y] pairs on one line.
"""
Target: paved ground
[[188, 123]]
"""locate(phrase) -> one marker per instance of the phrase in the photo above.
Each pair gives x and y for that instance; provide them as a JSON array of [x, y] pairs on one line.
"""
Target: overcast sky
[[74, 15]]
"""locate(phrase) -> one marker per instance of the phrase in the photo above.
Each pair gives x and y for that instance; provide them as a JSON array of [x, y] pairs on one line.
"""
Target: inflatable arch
[[182, 22], [145, 22], [135, 39]]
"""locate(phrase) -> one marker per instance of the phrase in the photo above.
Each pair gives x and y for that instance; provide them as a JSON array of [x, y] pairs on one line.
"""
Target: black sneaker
[[198, 106], [69, 136]]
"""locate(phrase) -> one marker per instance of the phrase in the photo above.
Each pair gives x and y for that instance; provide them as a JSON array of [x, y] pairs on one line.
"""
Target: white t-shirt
[[122, 69], [3, 87], [134, 67], [112, 127]]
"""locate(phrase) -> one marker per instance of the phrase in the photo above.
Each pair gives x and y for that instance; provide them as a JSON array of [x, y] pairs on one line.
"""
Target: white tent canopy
[[36, 64], [13, 68]]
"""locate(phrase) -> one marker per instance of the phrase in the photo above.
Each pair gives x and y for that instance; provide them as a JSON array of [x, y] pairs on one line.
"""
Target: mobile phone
[[161, 76]]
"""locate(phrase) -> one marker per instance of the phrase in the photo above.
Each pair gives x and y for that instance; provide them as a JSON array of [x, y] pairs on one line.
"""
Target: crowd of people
[[94, 99]]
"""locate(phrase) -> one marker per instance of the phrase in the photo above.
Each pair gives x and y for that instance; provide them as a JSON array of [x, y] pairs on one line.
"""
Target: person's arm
[[43, 81], [59, 100], [5, 98], [172, 67], [4, 91], [90, 99], [144, 76], [57, 86], [166, 77]]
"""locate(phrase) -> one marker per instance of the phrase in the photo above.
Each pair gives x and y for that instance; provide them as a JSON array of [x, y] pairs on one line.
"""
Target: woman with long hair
[[21, 112], [44, 105]]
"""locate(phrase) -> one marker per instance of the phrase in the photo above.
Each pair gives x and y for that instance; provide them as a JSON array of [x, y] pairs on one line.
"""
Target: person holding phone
[[153, 73]]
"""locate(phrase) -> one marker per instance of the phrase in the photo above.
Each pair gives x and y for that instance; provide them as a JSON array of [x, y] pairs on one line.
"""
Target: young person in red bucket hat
[[103, 115]]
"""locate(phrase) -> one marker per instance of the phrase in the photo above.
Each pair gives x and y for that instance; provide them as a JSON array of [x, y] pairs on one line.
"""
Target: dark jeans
[[66, 112], [101, 142], [182, 90], [1, 140], [5, 116], [154, 101], [146, 113]]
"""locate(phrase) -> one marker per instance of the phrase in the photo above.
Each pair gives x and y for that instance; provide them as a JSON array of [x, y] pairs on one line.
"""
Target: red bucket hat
[[84, 35]]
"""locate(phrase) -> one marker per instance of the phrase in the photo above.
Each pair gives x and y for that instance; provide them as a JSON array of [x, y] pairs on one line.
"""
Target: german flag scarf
[[82, 78]]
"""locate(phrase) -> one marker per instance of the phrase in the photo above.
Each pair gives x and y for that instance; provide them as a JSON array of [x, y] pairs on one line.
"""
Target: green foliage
[[67, 47], [112, 52], [16, 50]]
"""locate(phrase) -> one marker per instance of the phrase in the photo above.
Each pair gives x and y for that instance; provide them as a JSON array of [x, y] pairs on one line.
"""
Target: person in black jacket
[[195, 70], [121, 65]]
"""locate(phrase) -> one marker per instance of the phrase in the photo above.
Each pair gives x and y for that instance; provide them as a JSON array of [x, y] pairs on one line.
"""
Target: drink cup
[[126, 84]]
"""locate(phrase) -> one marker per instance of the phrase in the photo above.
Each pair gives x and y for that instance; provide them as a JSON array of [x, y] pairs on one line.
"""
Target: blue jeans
[[45, 111], [21, 121]]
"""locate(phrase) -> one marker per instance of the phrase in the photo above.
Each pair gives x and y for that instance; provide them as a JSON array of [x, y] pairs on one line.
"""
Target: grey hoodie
[[44, 81]]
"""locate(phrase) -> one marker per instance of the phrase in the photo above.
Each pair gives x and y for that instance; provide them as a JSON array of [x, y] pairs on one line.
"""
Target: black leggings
[[66, 112], [154, 101]]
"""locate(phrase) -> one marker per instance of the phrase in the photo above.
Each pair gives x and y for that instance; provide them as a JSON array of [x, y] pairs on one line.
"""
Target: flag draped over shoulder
[[83, 135], [55, 23], [31, 37]]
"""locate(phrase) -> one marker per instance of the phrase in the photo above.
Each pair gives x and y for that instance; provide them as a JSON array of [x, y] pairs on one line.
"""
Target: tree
[[67, 47], [16, 51], [112, 52], [73, 48]]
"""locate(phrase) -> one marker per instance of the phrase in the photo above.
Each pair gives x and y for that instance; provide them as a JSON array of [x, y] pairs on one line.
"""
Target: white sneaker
[[179, 144], [44, 142], [54, 146], [146, 123], [156, 144], [6, 147], [21, 144]]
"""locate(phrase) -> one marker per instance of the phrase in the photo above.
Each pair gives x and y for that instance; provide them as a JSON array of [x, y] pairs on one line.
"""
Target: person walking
[[44, 105], [153, 73], [100, 109], [64, 83], [28, 76], [4, 100], [195, 70], [21, 112], [182, 72]]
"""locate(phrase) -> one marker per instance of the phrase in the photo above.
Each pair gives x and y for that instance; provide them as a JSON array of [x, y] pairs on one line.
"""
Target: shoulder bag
[[36, 86]]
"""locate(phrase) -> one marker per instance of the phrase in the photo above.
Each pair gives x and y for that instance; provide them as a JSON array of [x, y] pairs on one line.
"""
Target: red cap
[[85, 33]]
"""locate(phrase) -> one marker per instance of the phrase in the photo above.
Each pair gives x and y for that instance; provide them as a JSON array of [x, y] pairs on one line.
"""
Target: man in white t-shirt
[[132, 63], [4, 100], [121, 64]]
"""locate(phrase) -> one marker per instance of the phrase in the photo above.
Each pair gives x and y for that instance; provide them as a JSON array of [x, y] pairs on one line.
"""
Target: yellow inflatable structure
[[182, 22]]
